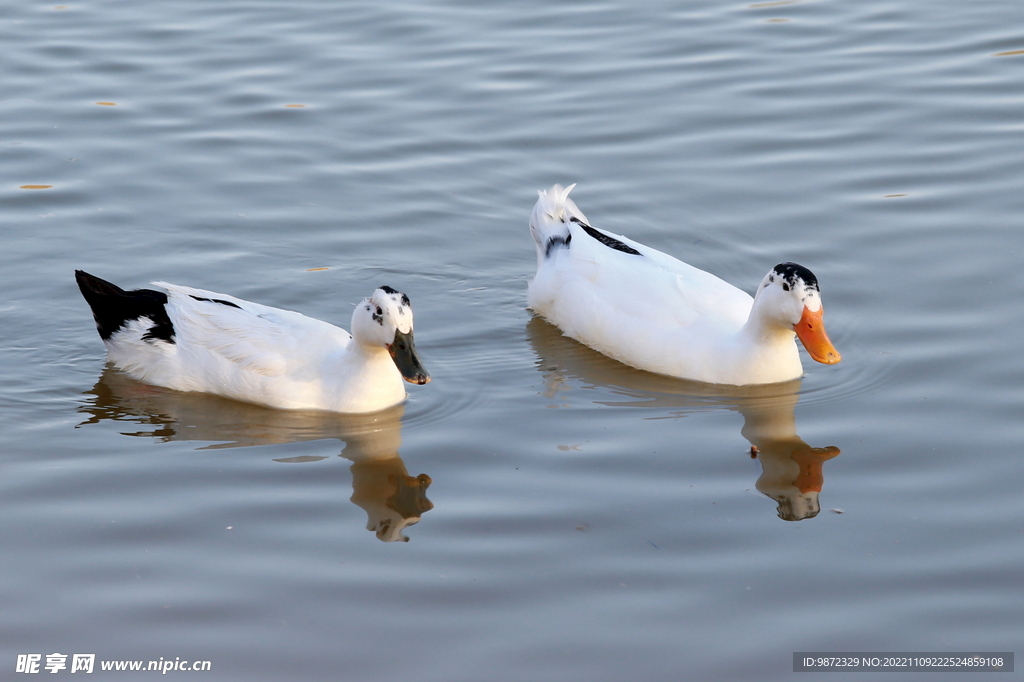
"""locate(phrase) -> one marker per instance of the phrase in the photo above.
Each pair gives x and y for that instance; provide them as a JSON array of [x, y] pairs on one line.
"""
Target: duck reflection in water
[[791, 469], [392, 499]]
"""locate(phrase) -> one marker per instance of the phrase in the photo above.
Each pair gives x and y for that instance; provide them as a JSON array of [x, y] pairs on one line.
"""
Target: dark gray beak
[[403, 352]]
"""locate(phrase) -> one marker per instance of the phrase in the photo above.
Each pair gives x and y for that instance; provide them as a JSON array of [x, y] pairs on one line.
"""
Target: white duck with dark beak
[[654, 312], [195, 340]]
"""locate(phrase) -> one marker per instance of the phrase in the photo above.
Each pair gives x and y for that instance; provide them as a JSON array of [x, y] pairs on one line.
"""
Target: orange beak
[[811, 330]]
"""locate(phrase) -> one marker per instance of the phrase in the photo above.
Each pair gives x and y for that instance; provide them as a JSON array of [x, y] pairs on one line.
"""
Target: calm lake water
[[577, 520]]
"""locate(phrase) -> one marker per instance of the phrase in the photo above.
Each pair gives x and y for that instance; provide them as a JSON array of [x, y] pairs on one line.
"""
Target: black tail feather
[[112, 307]]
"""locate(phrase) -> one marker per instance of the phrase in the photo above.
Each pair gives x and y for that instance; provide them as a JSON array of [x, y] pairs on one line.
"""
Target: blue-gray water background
[[588, 522]]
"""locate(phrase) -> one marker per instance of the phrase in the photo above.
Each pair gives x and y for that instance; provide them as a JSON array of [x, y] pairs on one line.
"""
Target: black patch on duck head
[[610, 242], [113, 307], [791, 271], [388, 290]]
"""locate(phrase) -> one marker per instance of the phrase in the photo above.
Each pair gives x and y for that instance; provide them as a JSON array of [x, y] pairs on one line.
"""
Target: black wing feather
[[112, 307]]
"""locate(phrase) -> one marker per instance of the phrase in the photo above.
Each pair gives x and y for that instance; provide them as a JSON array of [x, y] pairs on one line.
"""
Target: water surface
[[567, 517]]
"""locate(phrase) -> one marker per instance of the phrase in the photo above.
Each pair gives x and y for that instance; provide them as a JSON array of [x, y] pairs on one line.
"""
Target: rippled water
[[574, 519]]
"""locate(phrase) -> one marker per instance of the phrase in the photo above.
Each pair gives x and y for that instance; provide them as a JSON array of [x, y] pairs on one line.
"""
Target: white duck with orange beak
[[651, 311]]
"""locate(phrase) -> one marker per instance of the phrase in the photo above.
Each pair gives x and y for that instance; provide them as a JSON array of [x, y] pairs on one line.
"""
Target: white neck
[[366, 379], [769, 347]]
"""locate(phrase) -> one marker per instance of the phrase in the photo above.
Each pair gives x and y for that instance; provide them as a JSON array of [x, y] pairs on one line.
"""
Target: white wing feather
[[254, 337]]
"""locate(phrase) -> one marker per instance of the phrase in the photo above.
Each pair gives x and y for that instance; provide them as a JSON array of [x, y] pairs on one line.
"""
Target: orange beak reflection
[[811, 330]]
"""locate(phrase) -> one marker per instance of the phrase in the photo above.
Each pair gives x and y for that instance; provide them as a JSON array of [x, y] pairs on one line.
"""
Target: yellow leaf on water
[[36, 186]]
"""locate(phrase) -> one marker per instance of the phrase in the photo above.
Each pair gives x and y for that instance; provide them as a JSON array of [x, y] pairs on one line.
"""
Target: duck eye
[[785, 286]]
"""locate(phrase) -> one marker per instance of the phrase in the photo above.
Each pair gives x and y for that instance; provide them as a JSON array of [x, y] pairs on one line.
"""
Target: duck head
[[789, 294], [385, 320]]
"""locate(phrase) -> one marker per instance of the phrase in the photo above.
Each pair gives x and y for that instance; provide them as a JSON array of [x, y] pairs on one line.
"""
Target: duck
[[654, 312], [190, 339]]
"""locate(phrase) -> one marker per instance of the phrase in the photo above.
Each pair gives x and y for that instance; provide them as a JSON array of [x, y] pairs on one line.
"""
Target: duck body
[[196, 340], [651, 311]]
